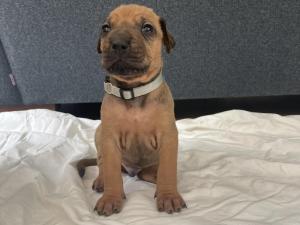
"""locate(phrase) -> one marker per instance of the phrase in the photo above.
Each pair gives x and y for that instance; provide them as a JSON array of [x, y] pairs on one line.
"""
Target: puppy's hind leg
[[82, 164], [148, 174]]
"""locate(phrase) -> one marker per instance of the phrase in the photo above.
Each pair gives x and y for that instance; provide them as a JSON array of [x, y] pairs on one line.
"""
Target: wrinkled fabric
[[234, 168]]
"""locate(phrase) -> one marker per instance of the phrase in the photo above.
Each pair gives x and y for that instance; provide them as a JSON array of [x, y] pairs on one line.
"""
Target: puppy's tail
[[82, 164]]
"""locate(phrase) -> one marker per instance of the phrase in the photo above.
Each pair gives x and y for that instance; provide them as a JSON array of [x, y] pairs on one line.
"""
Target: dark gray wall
[[9, 94], [234, 48], [224, 48]]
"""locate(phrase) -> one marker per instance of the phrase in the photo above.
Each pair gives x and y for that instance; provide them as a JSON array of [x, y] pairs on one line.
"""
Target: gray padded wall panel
[[52, 48], [224, 48], [233, 48], [9, 94]]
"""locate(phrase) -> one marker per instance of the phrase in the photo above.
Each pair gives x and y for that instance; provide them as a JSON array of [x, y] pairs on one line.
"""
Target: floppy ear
[[168, 39], [99, 46]]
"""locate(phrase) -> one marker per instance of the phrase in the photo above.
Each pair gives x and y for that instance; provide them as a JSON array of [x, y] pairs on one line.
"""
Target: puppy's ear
[[99, 46], [168, 39]]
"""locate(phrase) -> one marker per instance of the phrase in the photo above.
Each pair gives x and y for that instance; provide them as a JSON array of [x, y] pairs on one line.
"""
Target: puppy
[[138, 134]]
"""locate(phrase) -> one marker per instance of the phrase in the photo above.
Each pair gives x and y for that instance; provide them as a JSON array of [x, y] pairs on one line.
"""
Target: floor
[[284, 105], [25, 107]]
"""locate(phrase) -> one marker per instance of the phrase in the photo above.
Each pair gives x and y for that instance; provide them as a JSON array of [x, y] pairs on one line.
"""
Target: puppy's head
[[131, 41]]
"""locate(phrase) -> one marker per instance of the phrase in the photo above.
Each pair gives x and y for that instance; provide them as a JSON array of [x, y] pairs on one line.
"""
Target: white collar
[[132, 93]]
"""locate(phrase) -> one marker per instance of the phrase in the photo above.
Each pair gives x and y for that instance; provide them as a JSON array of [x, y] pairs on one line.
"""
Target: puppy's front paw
[[107, 205], [98, 184], [169, 202]]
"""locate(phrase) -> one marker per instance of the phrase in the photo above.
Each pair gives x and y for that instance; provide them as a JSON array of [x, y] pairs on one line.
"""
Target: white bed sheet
[[234, 168]]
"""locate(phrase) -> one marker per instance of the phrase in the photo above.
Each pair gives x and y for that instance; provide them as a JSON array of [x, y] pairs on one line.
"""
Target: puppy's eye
[[147, 28], [106, 28]]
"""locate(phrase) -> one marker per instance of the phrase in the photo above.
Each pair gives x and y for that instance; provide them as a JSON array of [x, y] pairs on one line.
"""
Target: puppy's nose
[[120, 41], [120, 46]]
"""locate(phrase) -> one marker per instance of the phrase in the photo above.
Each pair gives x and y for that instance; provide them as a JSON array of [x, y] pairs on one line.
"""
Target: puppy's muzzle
[[125, 55]]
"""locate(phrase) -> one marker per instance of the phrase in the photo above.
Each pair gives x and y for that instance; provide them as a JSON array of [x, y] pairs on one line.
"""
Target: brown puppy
[[138, 135]]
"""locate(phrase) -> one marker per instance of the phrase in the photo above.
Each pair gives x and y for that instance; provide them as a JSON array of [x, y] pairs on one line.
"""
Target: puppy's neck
[[157, 96], [138, 102], [133, 82]]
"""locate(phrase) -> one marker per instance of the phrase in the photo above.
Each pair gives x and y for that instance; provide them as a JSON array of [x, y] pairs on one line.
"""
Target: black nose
[[120, 41], [120, 45]]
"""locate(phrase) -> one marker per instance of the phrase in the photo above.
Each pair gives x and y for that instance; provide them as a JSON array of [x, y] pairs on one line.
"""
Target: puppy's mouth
[[123, 68]]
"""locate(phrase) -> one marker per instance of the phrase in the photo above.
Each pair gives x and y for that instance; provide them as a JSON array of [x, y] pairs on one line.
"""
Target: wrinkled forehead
[[132, 14]]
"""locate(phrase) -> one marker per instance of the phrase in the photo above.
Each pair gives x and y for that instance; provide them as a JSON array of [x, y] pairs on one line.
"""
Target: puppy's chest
[[139, 120], [138, 132], [138, 138], [139, 150]]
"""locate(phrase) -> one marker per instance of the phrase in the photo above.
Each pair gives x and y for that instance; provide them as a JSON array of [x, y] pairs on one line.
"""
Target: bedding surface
[[234, 168]]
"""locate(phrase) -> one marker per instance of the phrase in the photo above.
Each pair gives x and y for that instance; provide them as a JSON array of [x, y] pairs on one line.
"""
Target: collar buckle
[[127, 94]]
